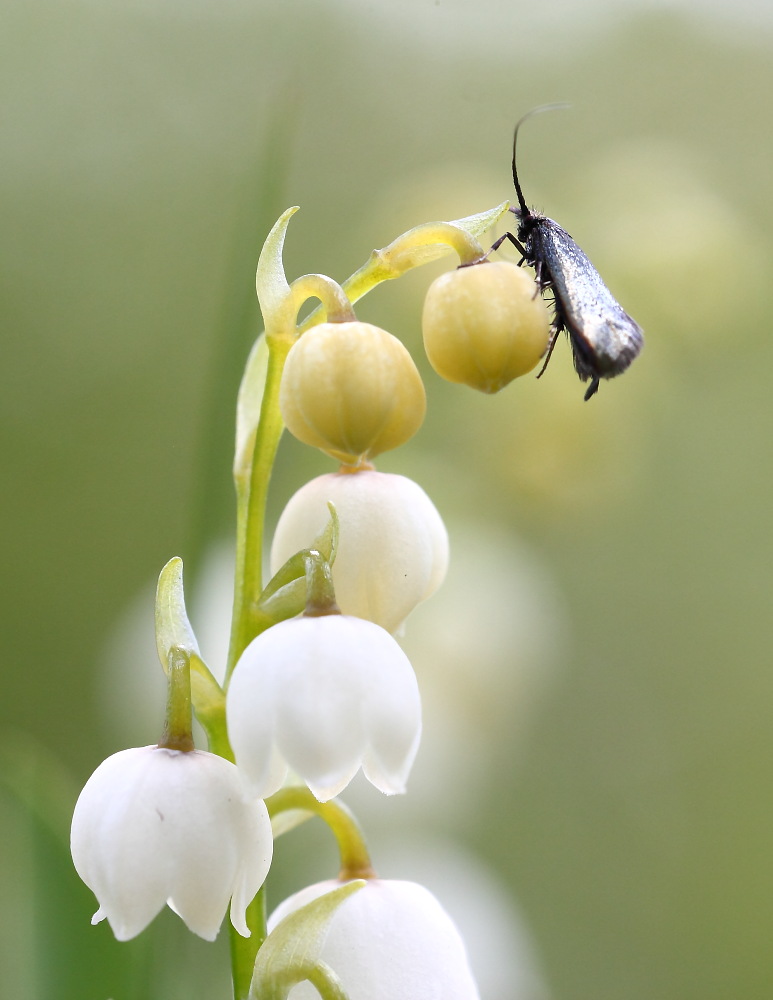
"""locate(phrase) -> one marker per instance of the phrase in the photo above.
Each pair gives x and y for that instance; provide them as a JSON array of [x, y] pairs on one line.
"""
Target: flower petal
[[391, 940], [155, 825], [393, 548], [324, 694]]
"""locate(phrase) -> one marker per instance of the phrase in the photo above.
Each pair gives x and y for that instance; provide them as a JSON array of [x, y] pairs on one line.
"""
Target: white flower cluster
[[320, 696], [325, 696]]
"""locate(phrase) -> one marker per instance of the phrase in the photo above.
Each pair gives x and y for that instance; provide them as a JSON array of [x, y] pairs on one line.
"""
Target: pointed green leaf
[[271, 284], [326, 541], [208, 697], [172, 625], [174, 629], [477, 225], [285, 594], [292, 951]]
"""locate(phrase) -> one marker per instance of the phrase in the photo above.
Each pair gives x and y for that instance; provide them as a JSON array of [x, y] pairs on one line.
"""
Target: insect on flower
[[604, 338]]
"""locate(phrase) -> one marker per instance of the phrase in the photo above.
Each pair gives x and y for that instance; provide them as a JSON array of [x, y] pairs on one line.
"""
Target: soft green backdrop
[[147, 148]]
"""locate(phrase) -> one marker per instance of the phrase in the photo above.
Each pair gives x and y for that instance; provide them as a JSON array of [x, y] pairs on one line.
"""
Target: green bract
[[291, 952], [271, 283], [286, 594], [174, 632]]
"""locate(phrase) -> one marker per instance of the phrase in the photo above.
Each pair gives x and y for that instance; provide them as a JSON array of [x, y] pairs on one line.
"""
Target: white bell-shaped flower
[[393, 547], [324, 696], [391, 940], [155, 826]]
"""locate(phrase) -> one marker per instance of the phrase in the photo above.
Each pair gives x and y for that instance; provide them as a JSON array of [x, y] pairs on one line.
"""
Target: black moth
[[604, 338]]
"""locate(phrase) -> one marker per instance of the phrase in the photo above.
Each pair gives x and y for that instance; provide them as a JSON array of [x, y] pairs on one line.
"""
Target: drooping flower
[[352, 390], [324, 696], [392, 940], [485, 325], [393, 548], [155, 826]]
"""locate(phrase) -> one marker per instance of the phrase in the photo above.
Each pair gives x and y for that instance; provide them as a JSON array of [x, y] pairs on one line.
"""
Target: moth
[[604, 338]]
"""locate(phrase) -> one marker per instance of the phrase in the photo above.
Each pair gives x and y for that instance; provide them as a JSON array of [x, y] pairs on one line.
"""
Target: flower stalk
[[418, 246], [244, 950], [320, 595], [178, 726], [333, 299], [352, 848]]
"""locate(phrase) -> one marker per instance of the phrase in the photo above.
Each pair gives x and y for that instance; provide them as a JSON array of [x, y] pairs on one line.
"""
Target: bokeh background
[[597, 672]]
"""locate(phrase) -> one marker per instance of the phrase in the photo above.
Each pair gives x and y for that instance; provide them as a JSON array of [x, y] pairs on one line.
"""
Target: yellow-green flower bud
[[352, 390], [485, 325]]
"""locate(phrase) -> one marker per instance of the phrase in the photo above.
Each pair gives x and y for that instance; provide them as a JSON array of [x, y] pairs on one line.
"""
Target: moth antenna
[[534, 111]]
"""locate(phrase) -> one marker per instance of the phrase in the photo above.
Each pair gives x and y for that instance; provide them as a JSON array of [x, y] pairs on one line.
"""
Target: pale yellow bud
[[352, 390], [485, 325]]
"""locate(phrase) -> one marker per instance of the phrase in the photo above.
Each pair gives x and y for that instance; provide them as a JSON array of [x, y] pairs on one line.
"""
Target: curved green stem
[[411, 249], [178, 732], [355, 864], [331, 295], [355, 859], [326, 982]]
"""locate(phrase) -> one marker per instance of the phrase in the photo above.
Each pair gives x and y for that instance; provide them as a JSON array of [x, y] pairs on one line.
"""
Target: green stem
[[326, 982], [355, 859], [331, 295], [178, 732], [244, 950], [251, 510], [403, 254], [320, 595]]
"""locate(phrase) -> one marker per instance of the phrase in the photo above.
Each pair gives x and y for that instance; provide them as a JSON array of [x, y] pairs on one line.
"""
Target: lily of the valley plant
[[316, 684]]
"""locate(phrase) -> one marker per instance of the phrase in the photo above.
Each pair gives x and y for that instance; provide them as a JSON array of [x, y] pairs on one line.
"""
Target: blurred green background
[[611, 738]]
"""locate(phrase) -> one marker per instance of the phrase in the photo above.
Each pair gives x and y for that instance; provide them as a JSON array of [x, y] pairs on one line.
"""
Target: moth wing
[[605, 339]]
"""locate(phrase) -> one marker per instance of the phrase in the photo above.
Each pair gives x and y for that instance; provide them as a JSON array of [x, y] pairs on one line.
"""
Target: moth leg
[[487, 254], [518, 246], [548, 353], [592, 389], [539, 277]]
